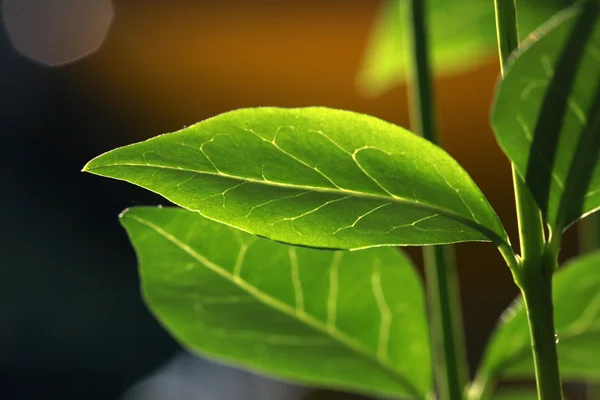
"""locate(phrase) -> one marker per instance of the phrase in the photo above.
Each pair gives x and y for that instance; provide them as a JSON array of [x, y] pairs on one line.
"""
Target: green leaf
[[347, 320], [576, 296], [547, 115], [462, 35], [313, 176]]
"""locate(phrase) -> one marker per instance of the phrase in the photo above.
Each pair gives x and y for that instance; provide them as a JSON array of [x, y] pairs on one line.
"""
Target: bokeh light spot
[[57, 32]]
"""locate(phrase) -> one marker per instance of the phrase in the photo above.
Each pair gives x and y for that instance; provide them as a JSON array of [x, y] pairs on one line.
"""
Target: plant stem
[[422, 112], [446, 328], [507, 30], [445, 322], [537, 294], [538, 262], [531, 228]]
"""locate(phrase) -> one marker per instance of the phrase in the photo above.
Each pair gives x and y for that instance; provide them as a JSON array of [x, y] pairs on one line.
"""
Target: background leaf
[[314, 176], [353, 321], [576, 295], [547, 114], [462, 35]]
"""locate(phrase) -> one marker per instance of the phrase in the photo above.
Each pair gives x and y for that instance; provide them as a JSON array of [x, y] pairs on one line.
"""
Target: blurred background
[[80, 77]]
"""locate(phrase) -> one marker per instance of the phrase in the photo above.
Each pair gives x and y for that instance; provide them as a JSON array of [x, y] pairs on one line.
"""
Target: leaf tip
[[102, 160], [90, 165], [124, 212]]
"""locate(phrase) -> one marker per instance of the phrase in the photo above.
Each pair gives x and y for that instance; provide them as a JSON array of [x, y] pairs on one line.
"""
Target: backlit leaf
[[547, 115], [346, 320], [313, 176], [576, 295], [462, 35]]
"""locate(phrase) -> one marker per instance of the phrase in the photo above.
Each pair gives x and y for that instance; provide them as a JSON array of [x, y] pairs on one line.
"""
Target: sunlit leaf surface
[[348, 320], [313, 176]]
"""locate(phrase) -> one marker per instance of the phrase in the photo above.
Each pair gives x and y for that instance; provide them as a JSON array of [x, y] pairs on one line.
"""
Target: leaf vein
[[361, 217], [296, 282], [490, 234], [386, 315], [333, 290], [279, 305]]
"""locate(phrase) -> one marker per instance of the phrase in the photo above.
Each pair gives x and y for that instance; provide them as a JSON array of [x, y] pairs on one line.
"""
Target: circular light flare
[[57, 32]]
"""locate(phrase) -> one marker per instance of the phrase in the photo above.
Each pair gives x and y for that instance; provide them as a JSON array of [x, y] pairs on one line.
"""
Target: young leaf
[[353, 321], [547, 115], [576, 297], [313, 176], [462, 36]]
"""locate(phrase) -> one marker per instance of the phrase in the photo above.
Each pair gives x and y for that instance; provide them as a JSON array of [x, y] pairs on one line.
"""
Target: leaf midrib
[[490, 234], [274, 303]]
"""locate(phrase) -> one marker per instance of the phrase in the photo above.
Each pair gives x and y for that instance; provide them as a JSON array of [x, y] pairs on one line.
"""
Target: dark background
[[72, 324]]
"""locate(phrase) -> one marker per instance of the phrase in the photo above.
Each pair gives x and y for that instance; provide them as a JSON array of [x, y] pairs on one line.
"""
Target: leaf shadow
[[550, 121]]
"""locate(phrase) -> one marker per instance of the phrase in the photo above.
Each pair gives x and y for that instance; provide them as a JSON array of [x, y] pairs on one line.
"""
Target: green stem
[[446, 328], [531, 228], [538, 262], [507, 30], [445, 322], [537, 294], [423, 118]]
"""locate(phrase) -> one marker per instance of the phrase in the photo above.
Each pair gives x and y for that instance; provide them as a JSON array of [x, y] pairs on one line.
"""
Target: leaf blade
[[546, 115], [577, 320], [307, 301], [313, 176], [462, 37]]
